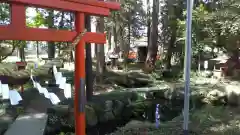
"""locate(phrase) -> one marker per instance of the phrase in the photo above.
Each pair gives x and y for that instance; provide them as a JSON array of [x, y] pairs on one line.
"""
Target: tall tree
[[100, 52], [148, 21], [153, 43], [36, 22], [173, 27], [50, 22], [22, 50], [89, 68]]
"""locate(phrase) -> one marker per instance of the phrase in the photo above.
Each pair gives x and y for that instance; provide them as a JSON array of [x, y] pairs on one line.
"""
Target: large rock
[[103, 108], [10, 75], [91, 116], [5, 49], [215, 97], [209, 120], [130, 81], [63, 116], [233, 94]]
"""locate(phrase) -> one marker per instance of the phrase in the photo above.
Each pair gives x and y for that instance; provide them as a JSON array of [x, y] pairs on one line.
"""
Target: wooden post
[[80, 98]]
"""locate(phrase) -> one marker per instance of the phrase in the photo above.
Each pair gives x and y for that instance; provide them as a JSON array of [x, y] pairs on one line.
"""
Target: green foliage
[[199, 33], [37, 21], [215, 24], [4, 13], [132, 13]]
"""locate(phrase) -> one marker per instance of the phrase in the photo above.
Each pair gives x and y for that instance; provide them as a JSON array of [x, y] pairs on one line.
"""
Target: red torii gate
[[17, 30]]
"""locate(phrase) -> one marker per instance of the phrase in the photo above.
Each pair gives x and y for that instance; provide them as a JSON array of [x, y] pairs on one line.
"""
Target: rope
[[76, 41], [78, 38]]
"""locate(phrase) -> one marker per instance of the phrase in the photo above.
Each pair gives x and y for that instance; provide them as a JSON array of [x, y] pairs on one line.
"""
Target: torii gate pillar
[[80, 96]]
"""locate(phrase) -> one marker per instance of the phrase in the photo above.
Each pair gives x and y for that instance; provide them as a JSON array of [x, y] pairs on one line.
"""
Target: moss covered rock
[[210, 120], [103, 108]]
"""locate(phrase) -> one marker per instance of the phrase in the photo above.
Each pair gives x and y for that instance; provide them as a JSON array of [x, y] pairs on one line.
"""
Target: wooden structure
[[17, 30]]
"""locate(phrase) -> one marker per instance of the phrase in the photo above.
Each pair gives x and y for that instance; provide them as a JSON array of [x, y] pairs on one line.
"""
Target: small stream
[[167, 111], [106, 128]]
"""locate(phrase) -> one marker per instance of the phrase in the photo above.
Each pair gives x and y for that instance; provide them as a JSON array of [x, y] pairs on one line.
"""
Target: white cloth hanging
[[15, 97], [0, 88], [54, 98], [54, 70], [39, 87], [33, 81], [45, 92], [58, 77], [68, 90], [5, 91], [62, 82]]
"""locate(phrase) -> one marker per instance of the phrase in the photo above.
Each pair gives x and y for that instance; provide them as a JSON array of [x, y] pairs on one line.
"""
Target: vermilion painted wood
[[18, 15], [64, 5], [109, 5], [36, 34], [79, 77], [17, 31]]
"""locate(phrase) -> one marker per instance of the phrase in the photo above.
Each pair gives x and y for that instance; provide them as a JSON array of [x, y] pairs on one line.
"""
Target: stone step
[[5, 121], [7, 115], [28, 124], [2, 109], [4, 104]]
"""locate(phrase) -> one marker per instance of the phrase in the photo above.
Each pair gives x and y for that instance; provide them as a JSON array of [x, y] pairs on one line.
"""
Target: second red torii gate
[[17, 30]]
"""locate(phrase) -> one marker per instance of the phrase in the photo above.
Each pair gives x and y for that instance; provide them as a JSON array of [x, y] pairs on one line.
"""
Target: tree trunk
[[148, 22], [110, 39], [37, 42], [59, 45], [51, 45], [22, 54], [153, 46], [89, 70], [115, 31], [37, 49], [173, 29], [100, 53], [95, 47], [70, 22], [126, 46], [168, 64], [141, 52]]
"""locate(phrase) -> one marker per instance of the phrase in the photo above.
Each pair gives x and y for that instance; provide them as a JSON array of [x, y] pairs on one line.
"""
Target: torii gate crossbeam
[[17, 30]]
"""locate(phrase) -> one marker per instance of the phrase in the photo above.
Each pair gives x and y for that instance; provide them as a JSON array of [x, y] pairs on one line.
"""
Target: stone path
[[5, 121], [28, 124], [33, 117]]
